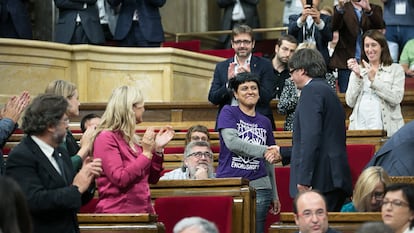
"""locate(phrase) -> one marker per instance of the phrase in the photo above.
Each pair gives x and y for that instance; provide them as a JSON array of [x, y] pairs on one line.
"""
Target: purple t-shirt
[[255, 130]]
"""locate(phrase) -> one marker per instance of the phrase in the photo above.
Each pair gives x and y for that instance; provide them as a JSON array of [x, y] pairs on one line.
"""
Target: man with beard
[[197, 164], [44, 173], [242, 42], [284, 49]]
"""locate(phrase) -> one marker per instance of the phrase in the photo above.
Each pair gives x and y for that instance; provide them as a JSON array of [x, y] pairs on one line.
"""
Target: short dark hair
[[45, 110], [196, 128], [310, 60], [15, 216], [87, 118], [241, 78], [242, 29], [299, 194], [288, 38], [407, 191]]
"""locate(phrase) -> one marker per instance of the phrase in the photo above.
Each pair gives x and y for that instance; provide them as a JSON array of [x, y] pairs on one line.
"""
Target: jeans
[[343, 79], [263, 201]]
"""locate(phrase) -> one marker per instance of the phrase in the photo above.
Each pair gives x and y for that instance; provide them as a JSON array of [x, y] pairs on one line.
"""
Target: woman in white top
[[376, 87]]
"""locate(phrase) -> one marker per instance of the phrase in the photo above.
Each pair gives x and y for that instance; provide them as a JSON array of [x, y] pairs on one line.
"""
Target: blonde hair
[[365, 185], [62, 88], [306, 45], [119, 114]]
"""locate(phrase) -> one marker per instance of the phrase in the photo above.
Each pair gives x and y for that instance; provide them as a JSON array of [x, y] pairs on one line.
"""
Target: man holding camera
[[352, 18], [312, 27]]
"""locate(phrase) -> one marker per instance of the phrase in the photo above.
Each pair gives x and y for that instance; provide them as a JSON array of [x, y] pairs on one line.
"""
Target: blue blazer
[[322, 37], [319, 157], [68, 11], [396, 155], [149, 18], [220, 95], [19, 17], [53, 203]]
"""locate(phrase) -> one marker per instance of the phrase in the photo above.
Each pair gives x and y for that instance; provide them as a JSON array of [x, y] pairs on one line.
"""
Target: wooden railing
[[120, 223], [244, 208]]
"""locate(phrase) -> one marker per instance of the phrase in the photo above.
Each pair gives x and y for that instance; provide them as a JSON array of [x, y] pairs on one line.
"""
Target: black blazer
[[19, 16], [149, 18], [53, 203], [220, 95], [68, 11], [319, 157]]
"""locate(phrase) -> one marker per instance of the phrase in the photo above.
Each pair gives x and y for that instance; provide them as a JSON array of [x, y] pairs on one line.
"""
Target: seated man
[[197, 163], [89, 120]]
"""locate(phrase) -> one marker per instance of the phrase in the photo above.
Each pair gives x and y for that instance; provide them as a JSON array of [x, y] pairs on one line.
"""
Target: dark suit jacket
[[396, 155], [68, 10], [220, 95], [19, 16], [330, 230], [322, 37], [319, 156], [347, 25], [149, 18], [53, 203]]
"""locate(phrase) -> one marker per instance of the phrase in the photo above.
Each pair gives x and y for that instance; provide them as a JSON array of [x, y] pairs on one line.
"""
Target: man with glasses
[[45, 173], [242, 42], [311, 215], [197, 163]]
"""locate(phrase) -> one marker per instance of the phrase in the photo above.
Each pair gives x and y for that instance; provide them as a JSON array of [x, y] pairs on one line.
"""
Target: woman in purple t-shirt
[[247, 146]]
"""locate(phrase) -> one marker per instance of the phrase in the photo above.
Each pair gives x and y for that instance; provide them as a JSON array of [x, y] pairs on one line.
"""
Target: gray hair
[[190, 147], [202, 224]]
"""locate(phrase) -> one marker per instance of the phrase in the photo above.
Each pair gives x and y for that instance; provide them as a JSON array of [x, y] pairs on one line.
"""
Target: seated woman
[[368, 191], [398, 208]]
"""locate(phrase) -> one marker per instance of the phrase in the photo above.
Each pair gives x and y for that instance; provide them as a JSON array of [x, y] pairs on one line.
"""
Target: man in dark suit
[[310, 211], [313, 27], [244, 61], [318, 159], [78, 22], [236, 13], [46, 176], [14, 20], [396, 155], [139, 23]]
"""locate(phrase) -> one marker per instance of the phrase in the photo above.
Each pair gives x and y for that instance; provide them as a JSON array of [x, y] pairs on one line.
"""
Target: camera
[[309, 2]]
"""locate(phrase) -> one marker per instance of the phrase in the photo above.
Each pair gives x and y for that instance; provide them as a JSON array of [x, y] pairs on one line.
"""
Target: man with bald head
[[311, 215]]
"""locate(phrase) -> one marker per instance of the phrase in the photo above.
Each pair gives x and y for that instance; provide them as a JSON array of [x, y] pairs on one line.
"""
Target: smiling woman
[[247, 145]]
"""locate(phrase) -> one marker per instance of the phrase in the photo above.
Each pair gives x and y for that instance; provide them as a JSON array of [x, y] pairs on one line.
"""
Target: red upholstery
[[282, 182], [358, 157], [217, 209], [226, 53], [90, 206], [190, 45], [174, 150], [409, 83]]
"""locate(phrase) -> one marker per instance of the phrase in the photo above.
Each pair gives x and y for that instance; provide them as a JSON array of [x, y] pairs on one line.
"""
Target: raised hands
[[353, 65], [15, 106], [156, 141], [91, 169], [148, 142], [163, 137]]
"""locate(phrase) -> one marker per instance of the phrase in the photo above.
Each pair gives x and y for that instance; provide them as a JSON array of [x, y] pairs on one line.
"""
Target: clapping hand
[[163, 137]]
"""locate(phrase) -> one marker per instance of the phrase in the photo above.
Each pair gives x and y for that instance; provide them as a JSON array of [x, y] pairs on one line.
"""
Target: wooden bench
[[344, 222], [119, 223], [244, 197]]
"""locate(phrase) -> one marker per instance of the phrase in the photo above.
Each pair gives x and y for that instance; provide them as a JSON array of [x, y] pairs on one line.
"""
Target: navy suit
[[221, 95], [322, 37], [66, 25], [319, 157], [149, 19], [396, 155], [53, 203], [14, 20]]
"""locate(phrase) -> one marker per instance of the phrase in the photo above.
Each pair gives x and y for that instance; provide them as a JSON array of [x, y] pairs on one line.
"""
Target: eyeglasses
[[318, 213], [197, 138], [395, 203], [378, 196], [239, 42], [200, 154], [293, 70]]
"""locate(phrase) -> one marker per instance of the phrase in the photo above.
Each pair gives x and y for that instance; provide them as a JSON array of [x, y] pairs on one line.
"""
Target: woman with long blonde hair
[[129, 162]]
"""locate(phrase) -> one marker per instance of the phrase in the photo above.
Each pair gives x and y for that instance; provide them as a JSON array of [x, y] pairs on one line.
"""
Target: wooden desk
[[344, 222], [119, 223], [244, 197]]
